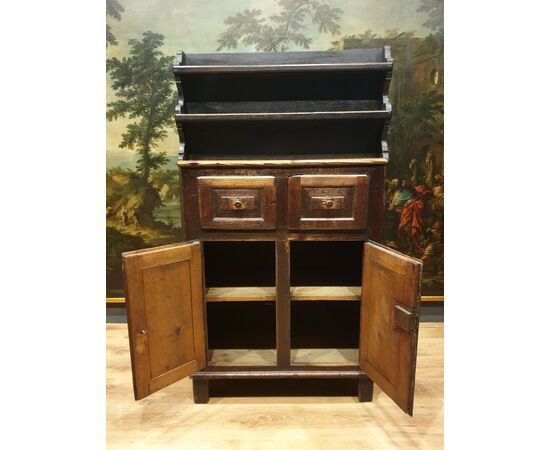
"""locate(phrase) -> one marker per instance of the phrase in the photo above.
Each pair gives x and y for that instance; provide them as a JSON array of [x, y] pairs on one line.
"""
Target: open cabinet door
[[164, 299], [390, 306]]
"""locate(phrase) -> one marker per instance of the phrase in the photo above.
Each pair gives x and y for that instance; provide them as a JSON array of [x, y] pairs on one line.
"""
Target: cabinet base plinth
[[201, 391], [290, 383], [364, 389]]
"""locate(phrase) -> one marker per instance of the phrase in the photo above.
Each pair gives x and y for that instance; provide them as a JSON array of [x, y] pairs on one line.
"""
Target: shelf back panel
[[295, 86], [273, 139]]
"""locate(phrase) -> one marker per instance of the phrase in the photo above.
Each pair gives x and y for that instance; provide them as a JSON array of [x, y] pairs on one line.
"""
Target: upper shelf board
[[285, 106], [360, 59], [316, 115]]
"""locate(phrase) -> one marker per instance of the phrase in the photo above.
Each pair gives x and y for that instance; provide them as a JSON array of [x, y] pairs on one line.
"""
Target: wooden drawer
[[328, 202], [237, 202]]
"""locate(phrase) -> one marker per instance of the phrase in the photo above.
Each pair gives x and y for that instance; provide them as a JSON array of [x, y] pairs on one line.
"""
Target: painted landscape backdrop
[[142, 39]]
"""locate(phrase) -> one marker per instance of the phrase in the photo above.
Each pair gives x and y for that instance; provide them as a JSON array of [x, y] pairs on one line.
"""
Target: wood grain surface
[[243, 357], [241, 294], [297, 293], [259, 163], [325, 356], [387, 351], [169, 419], [330, 293]]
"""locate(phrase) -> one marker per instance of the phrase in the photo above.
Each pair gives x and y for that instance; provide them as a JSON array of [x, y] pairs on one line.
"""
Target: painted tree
[[114, 10], [280, 30], [434, 9], [143, 85], [433, 43], [418, 121], [396, 33]]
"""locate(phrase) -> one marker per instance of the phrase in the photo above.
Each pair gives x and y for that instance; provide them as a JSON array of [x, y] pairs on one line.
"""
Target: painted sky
[[194, 26]]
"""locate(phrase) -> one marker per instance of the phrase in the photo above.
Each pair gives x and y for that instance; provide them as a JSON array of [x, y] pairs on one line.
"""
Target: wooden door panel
[[164, 299], [172, 338], [390, 306]]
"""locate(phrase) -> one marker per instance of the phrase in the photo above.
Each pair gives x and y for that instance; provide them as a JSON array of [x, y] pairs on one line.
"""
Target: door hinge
[[404, 319]]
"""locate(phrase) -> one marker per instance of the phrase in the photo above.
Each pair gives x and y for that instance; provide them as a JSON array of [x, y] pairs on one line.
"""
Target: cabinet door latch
[[404, 319]]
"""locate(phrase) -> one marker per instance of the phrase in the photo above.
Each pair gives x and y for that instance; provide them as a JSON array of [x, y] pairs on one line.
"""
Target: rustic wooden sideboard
[[279, 276]]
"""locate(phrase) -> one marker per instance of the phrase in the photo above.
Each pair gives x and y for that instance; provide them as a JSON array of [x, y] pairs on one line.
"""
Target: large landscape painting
[[143, 36]]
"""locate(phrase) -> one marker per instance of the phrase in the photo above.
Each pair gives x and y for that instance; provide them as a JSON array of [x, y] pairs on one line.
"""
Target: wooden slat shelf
[[283, 106], [424, 298], [276, 374], [325, 356], [269, 116], [358, 59], [385, 66], [243, 357], [263, 357], [327, 162], [240, 294], [330, 293], [297, 293]]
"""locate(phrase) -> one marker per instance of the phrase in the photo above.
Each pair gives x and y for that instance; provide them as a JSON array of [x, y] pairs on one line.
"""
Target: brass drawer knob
[[238, 204], [333, 202]]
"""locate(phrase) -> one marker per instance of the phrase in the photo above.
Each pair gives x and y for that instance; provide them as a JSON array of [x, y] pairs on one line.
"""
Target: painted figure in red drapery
[[412, 222]]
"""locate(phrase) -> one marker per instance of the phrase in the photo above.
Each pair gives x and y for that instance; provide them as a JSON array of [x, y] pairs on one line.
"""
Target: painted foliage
[[142, 38]]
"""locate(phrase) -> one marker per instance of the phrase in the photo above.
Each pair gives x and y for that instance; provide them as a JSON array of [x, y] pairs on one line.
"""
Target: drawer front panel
[[328, 202], [237, 202]]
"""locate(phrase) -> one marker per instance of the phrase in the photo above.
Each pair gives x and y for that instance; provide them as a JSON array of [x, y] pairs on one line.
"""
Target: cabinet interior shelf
[[267, 357], [325, 356], [329, 293], [297, 293], [240, 294], [243, 357]]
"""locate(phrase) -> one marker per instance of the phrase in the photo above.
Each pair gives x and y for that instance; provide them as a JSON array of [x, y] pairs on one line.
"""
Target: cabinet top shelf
[[360, 59], [259, 163], [309, 115], [286, 106]]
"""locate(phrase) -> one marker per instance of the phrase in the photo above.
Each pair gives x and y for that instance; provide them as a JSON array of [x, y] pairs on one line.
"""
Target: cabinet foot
[[364, 389], [200, 391]]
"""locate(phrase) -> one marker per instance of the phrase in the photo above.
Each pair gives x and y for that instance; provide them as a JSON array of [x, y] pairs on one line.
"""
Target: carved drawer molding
[[328, 202], [237, 202]]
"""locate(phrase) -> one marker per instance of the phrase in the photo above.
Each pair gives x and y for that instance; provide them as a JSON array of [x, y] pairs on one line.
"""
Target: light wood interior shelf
[[263, 357], [329, 293], [240, 294], [243, 357], [297, 293], [325, 356]]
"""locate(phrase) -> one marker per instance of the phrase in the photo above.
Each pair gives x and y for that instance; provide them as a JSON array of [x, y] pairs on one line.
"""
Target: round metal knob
[[238, 204], [142, 331], [329, 204]]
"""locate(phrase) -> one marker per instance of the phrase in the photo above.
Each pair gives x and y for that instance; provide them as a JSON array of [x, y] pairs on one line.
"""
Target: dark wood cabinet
[[279, 277]]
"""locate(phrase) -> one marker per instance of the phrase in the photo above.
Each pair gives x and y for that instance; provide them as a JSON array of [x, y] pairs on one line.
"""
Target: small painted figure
[[135, 217], [429, 165], [124, 216], [414, 169], [411, 224]]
